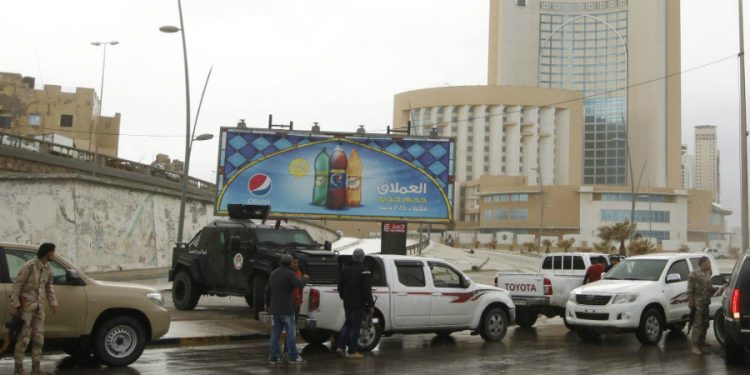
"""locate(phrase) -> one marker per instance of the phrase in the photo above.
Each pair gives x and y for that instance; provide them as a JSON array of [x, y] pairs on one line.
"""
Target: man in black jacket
[[355, 289], [279, 304]]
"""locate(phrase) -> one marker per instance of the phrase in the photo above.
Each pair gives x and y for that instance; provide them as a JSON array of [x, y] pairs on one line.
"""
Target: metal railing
[[423, 240], [44, 147]]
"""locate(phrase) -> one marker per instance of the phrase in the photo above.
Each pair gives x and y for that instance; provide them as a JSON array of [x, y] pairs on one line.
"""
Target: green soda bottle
[[320, 186]]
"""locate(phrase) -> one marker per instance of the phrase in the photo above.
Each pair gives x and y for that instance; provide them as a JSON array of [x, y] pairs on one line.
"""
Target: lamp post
[[188, 137], [101, 95], [743, 140]]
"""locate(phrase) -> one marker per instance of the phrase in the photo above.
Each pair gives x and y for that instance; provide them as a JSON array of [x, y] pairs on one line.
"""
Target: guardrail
[[423, 240], [40, 146]]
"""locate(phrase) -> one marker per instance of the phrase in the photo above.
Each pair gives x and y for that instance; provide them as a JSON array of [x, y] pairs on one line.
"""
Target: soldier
[[32, 287], [699, 292]]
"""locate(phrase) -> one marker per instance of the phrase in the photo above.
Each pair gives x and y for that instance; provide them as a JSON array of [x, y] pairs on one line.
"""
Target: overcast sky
[[338, 62]]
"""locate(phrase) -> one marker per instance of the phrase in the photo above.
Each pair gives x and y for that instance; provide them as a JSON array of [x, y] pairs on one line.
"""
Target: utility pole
[[743, 136]]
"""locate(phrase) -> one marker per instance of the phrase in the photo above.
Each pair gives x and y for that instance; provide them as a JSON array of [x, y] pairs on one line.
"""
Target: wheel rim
[[653, 327], [367, 333], [495, 324], [121, 341]]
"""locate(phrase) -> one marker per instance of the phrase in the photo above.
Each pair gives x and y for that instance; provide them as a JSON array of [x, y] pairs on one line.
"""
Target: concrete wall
[[102, 225]]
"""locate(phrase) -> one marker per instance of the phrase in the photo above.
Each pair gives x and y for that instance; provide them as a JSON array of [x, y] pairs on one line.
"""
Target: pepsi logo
[[259, 184]]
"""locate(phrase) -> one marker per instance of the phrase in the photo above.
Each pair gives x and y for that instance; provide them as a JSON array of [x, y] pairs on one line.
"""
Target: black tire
[[587, 334], [185, 291], [676, 327], [569, 326], [259, 292], [526, 319], [494, 324], [77, 350], [119, 341], [719, 329], [315, 336], [734, 353], [369, 334], [651, 329]]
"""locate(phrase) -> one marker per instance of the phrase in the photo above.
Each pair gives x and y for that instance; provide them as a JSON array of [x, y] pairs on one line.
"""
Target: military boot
[[36, 369], [19, 369]]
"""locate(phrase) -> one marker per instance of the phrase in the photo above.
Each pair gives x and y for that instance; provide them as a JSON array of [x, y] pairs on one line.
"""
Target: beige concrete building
[[28, 111], [600, 48], [688, 169], [707, 160]]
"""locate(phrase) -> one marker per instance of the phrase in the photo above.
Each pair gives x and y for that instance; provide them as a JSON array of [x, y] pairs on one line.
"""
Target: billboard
[[336, 176]]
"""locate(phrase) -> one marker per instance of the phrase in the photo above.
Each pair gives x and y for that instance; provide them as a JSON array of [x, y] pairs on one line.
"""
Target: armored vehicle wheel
[[185, 292]]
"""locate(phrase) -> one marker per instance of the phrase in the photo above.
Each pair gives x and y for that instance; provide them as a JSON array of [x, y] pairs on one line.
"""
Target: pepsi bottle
[[320, 185], [336, 197]]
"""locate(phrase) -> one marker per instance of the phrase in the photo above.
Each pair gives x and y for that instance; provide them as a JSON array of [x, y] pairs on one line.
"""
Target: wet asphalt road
[[547, 349]]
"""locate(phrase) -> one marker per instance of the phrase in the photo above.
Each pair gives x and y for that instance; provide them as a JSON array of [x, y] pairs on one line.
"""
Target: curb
[[207, 340]]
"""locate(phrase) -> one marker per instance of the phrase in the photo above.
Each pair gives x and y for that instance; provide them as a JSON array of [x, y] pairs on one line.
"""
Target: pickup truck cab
[[413, 295], [735, 313], [643, 294], [546, 292]]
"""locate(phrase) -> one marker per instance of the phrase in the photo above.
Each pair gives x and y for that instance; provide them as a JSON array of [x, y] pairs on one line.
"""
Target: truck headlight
[[624, 298], [572, 297], [156, 298]]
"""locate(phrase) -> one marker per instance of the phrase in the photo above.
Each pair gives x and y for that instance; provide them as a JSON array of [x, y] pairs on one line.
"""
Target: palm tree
[[566, 244], [641, 246], [546, 243], [529, 245], [618, 232], [601, 247]]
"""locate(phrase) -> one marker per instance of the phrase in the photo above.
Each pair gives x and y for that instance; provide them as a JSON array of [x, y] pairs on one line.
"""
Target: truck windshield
[[284, 237], [637, 269]]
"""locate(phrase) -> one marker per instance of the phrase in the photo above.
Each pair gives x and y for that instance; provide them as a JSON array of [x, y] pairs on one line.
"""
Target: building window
[[66, 121], [519, 214], [35, 119], [611, 215], [5, 118]]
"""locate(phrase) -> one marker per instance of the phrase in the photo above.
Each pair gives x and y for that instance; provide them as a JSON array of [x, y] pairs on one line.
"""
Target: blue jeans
[[284, 322], [350, 332]]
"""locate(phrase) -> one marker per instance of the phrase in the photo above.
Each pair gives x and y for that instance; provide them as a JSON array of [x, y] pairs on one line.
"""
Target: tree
[[546, 243], [566, 244], [601, 247], [641, 246], [683, 249], [618, 232], [529, 245]]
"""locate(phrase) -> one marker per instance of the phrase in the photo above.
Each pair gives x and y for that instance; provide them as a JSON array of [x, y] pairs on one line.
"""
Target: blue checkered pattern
[[432, 156]]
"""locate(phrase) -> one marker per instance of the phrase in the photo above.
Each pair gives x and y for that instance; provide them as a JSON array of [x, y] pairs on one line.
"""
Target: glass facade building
[[583, 47]]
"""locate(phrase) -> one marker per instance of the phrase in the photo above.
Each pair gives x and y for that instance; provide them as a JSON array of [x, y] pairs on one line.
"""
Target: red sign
[[394, 227]]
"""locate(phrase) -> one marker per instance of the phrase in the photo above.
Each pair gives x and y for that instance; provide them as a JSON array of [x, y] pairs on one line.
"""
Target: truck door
[[452, 303], [238, 262], [411, 297], [676, 292], [218, 259]]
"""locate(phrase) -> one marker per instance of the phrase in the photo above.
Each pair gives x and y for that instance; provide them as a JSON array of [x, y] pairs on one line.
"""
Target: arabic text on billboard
[[336, 177]]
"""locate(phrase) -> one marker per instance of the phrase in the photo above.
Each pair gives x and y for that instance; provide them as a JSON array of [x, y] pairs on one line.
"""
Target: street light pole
[[743, 138], [188, 135], [93, 131]]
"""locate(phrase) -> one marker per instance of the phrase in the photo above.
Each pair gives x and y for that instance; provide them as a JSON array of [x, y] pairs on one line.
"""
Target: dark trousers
[[350, 332]]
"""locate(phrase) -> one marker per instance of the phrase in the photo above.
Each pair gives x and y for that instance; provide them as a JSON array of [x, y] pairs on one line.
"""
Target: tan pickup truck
[[111, 320]]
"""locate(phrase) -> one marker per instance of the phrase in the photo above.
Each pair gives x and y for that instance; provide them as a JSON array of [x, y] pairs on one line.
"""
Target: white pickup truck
[[413, 295], [643, 294], [546, 292]]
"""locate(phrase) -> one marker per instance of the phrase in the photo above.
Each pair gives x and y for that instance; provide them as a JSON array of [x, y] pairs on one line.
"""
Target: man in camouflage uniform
[[31, 288], [699, 292]]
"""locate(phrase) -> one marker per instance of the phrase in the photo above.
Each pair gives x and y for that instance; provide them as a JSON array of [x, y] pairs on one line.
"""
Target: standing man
[[699, 291], [280, 304], [355, 289], [31, 289], [594, 273], [613, 261]]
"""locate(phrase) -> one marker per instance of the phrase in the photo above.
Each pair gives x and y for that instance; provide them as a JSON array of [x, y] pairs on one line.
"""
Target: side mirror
[[466, 283], [72, 278], [673, 278], [234, 244], [718, 280], [327, 246]]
